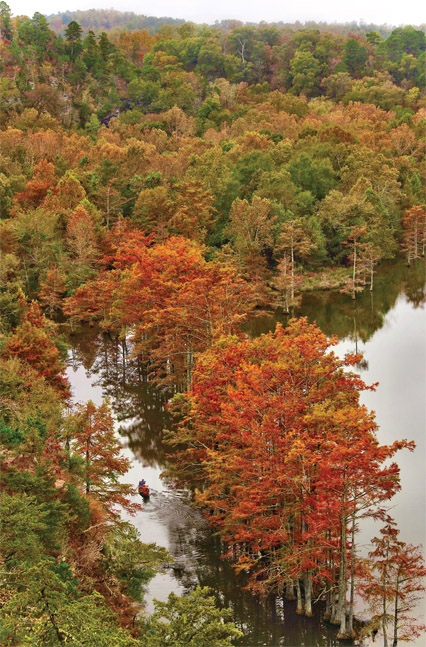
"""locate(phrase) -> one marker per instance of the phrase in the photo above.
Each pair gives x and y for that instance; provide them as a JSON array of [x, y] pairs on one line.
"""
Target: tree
[[369, 255], [251, 230], [278, 449], [90, 51], [357, 282], [414, 232], [36, 189], [394, 584], [193, 211], [32, 342], [36, 34], [172, 298], [52, 290], [355, 57], [93, 439], [6, 30], [190, 621], [306, 72], [294, 241], [81, 241], [73, 37], [47, 610]]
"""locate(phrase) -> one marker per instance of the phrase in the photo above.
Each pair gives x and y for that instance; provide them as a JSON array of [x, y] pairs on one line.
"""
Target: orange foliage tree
[[285, 460], [172, 300], [414, 232], [94, 440], [36, 189], [32, 342], [394, 585]]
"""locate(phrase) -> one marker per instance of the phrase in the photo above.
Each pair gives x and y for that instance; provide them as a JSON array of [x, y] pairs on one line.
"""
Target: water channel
[[388, 326]]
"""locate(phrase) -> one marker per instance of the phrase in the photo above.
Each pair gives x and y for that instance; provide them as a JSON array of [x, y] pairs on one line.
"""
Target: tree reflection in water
[[140, 409]]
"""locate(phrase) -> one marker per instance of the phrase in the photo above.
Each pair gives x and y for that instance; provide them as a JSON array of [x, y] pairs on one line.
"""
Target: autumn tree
[[357, 281], [369, 256], [284, 458], [193, 211], [414, 232], [293, 241], [251, 230], [93, 439], [81, 241], [52, 290], [170, 297], [32, 342], [393, 586], [36, 189]]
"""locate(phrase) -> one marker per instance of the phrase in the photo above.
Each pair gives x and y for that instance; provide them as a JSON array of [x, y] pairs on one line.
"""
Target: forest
[[166, 183]]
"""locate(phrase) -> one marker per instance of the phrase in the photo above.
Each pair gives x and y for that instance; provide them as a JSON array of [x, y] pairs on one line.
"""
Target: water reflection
[[357, 319], [169, 517], [134, 400], [169, 514], [198, 559]]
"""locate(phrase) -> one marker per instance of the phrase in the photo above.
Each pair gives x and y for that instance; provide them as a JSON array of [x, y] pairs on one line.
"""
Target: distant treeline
[[100, 20], [109, 19]]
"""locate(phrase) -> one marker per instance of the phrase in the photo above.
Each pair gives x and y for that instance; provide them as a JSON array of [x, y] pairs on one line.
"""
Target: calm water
[[388, 326]]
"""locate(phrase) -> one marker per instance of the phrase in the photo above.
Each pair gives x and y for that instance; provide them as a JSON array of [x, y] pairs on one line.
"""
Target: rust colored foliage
[[282, 453], [414, 233], [52, 290], [36, 189], [95, 441], [169, 296], [33, 343], [394, 586]]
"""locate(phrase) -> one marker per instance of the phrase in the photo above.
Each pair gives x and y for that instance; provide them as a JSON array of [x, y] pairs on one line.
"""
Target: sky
[[391, 12]]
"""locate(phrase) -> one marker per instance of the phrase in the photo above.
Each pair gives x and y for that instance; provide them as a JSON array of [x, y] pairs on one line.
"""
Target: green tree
[[355, 57], [90, 50], [36, 33], [46, 609], [190, 621], [73, 38], [306, 70], [6, 30]]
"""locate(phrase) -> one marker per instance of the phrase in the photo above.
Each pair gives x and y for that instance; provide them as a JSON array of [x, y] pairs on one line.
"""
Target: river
[[388, 326]]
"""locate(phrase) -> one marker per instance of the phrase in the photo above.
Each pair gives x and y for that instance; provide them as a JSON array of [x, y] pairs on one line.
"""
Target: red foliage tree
[[286, 458], [170, 297], [394, 585], [52, 290]]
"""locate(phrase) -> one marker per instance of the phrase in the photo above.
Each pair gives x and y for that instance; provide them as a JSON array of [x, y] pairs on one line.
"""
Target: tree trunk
[[395, 616], [341, 609], [289, 590], [384, 617], [327, 612], [354, 274], [87, 466], [352, 573], [299, 609], [308, 594], [385, 636]]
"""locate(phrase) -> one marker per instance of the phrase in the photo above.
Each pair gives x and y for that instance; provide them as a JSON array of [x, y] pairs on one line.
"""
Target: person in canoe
[[143, 489]]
